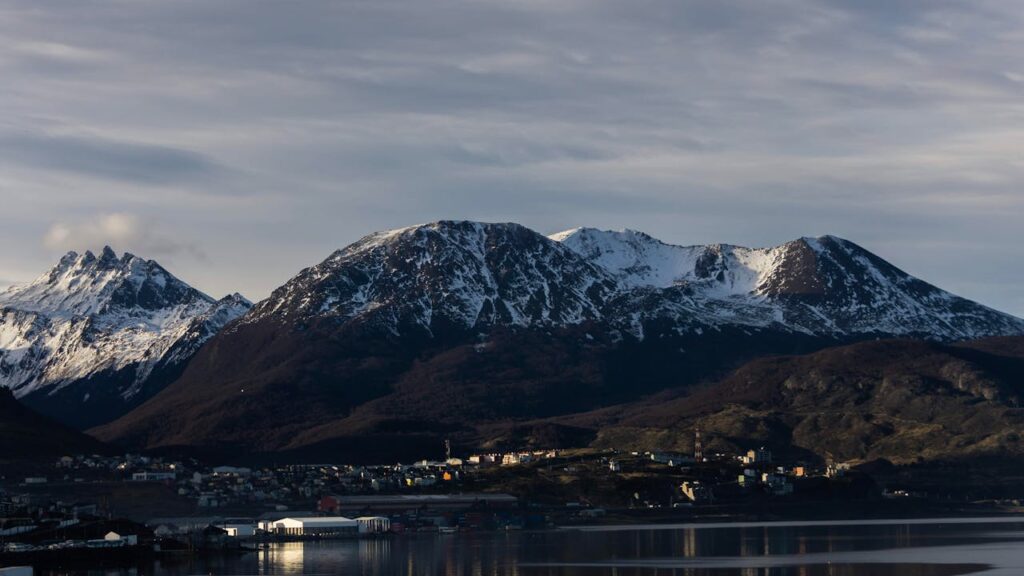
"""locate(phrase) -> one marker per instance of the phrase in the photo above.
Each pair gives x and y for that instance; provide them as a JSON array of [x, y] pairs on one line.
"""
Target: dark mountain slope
[[27, 435], [316, 387]]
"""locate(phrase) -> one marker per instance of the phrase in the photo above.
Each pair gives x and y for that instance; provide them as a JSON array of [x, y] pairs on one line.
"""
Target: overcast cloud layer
[[240, 141]]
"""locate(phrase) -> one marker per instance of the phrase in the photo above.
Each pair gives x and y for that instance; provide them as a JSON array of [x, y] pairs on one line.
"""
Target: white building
[[240, 530], [515, 458], [373, 524], [312, 526], [760, 456], [484, 459]]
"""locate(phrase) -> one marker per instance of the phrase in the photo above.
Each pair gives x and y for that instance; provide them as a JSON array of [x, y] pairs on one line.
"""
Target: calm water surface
[[878, 548]]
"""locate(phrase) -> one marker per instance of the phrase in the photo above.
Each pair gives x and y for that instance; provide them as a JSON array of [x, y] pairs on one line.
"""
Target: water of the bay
[[937, 547]]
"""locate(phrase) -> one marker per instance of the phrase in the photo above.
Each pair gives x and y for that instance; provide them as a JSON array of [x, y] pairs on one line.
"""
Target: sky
[[239, 141]]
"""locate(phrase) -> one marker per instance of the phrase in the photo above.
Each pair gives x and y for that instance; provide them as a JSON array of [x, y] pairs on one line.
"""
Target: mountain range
[[473, 331], [493, 335]]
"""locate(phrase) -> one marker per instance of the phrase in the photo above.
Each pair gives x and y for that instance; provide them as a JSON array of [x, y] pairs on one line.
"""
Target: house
[[239, 529], [484, 459], [127, 540], [697, 492], [760, 456], [837, 470], [512, 458]]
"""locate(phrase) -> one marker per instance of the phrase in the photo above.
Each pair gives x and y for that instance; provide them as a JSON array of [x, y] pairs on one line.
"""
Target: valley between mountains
[[493, 335]]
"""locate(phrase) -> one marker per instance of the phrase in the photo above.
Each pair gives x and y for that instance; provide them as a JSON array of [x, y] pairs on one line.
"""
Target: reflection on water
[[882, 549]]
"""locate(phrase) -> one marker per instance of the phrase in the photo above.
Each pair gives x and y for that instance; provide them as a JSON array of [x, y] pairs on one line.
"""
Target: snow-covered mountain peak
[[84, 284], [89, 315], [454, 273], [635, 258]]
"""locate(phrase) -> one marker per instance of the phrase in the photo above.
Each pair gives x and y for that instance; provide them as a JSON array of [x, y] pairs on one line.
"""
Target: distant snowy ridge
[[94, 315], [471, 276], [822, 286]]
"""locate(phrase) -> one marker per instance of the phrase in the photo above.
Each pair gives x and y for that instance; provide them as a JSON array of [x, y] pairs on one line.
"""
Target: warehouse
[[373, 524], [315, 527]]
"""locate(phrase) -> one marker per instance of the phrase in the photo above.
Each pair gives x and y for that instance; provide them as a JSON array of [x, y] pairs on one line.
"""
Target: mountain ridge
[[447, 327]]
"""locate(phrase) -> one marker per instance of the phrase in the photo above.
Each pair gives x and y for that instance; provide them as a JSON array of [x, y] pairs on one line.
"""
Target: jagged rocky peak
[[225, 310], [83, 284], [102, 329]]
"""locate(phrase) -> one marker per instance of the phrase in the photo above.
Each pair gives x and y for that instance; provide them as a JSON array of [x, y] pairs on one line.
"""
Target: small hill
[[904, 401], [28, 435]]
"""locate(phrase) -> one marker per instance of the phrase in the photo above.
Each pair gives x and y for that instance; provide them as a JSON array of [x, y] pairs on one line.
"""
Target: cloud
[[108, 159], [120, 230], [272, 133]]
